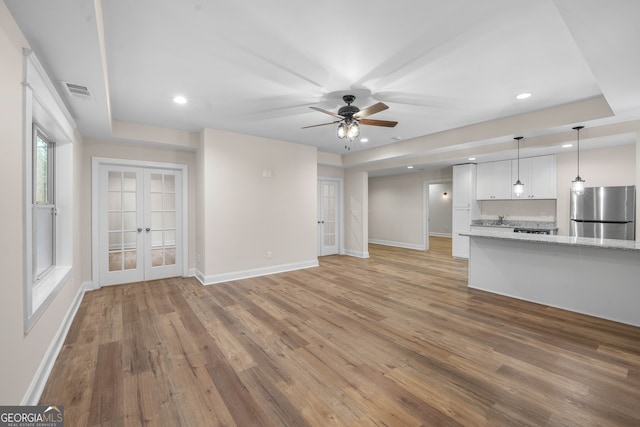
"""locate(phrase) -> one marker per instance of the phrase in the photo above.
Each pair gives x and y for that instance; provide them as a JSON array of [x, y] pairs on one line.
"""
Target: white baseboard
[[32, 396], [255, 272], [403, 245], [192, 272], [441, 235], [356, 254]]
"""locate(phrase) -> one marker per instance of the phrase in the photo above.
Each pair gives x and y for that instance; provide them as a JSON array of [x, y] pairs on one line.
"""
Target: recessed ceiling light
[[180, 99], [567, 145], [409, 167], [472, 158], [364, 139], [523, 95]]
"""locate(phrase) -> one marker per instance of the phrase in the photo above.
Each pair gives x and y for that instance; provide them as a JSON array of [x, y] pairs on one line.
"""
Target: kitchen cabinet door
[[539, 176], [461, 222], [544, 178], [484, 187], [494, 180], [463, 184]]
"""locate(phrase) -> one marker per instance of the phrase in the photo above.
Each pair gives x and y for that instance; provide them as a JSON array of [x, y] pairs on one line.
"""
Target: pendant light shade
[[577, 185], [518, 187]]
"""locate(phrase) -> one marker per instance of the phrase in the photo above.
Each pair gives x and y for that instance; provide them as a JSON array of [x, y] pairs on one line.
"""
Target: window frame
[[44, 108]]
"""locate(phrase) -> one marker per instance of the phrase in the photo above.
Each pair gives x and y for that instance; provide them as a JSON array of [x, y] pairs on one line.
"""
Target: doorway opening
[[437, 209]]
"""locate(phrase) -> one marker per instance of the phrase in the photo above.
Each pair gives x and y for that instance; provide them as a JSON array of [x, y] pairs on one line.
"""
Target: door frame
[[96, 164], [340, 230]]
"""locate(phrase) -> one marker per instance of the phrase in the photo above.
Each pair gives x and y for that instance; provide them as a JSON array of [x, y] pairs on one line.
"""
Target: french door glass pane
[[115, 221], [169, 184], [129, 201], [130, 260], [129, 181], [329, 202], [122, 220], [156, 258], [129, 221], [115, 181], [163, 219]]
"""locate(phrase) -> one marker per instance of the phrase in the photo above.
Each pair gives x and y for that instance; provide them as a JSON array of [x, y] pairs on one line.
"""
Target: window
[[44, 208], [49, 197]]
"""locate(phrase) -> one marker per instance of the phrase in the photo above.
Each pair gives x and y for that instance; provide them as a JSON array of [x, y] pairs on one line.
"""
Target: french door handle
[[147, 229], [139, 229]]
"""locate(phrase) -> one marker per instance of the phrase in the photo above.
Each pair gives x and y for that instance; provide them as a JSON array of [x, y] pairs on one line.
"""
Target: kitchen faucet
[[500, 218]]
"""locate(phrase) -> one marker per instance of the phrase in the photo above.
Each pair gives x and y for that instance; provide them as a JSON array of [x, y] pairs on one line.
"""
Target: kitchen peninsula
[[598, 277]]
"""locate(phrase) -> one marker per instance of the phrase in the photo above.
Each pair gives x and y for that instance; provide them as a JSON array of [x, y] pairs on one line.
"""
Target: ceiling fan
[[351, 117]]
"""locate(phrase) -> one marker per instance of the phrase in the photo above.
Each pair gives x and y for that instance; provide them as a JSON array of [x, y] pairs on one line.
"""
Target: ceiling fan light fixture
[[353, 130], [351, 117]]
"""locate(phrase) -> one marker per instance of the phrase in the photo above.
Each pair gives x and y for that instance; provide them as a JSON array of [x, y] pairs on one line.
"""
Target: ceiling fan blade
[[385, 123], [428, 101], [322, 124], [375, 108], [322, 110]]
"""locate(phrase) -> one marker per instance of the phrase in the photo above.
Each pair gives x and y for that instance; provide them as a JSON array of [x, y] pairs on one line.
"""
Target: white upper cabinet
[[539, 176], [494, 180]]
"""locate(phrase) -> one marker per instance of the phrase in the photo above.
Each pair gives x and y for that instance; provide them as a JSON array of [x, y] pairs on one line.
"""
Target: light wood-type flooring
[[394, 340]]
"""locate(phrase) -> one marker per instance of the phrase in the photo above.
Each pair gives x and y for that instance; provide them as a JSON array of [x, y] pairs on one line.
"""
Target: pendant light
[[518, 187], [577, 185]]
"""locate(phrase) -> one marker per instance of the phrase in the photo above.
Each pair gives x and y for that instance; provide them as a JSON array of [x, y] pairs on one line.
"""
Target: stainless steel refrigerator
[[605, 212]]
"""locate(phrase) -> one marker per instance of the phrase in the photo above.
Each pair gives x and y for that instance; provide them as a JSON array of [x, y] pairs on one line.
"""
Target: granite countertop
[[533, 225], [590, 242]]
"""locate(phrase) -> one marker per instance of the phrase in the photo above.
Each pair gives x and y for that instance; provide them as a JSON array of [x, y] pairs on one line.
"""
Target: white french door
[[328, 217], [140, 224]]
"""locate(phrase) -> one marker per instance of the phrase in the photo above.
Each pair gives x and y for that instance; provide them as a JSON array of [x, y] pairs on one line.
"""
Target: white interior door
[[328, 215], [140, 217]]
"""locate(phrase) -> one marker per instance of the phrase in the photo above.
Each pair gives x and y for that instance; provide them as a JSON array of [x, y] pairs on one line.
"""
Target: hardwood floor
[[394, 340]]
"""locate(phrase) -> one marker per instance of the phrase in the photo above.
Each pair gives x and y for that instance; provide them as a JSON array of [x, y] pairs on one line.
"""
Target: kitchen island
[[598, 277]]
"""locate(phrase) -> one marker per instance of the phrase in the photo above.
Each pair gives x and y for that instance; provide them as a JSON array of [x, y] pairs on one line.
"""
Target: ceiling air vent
[[79, 91]]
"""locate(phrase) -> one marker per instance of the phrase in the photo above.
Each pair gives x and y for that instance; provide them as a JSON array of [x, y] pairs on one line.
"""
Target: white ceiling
[[255, 67]]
